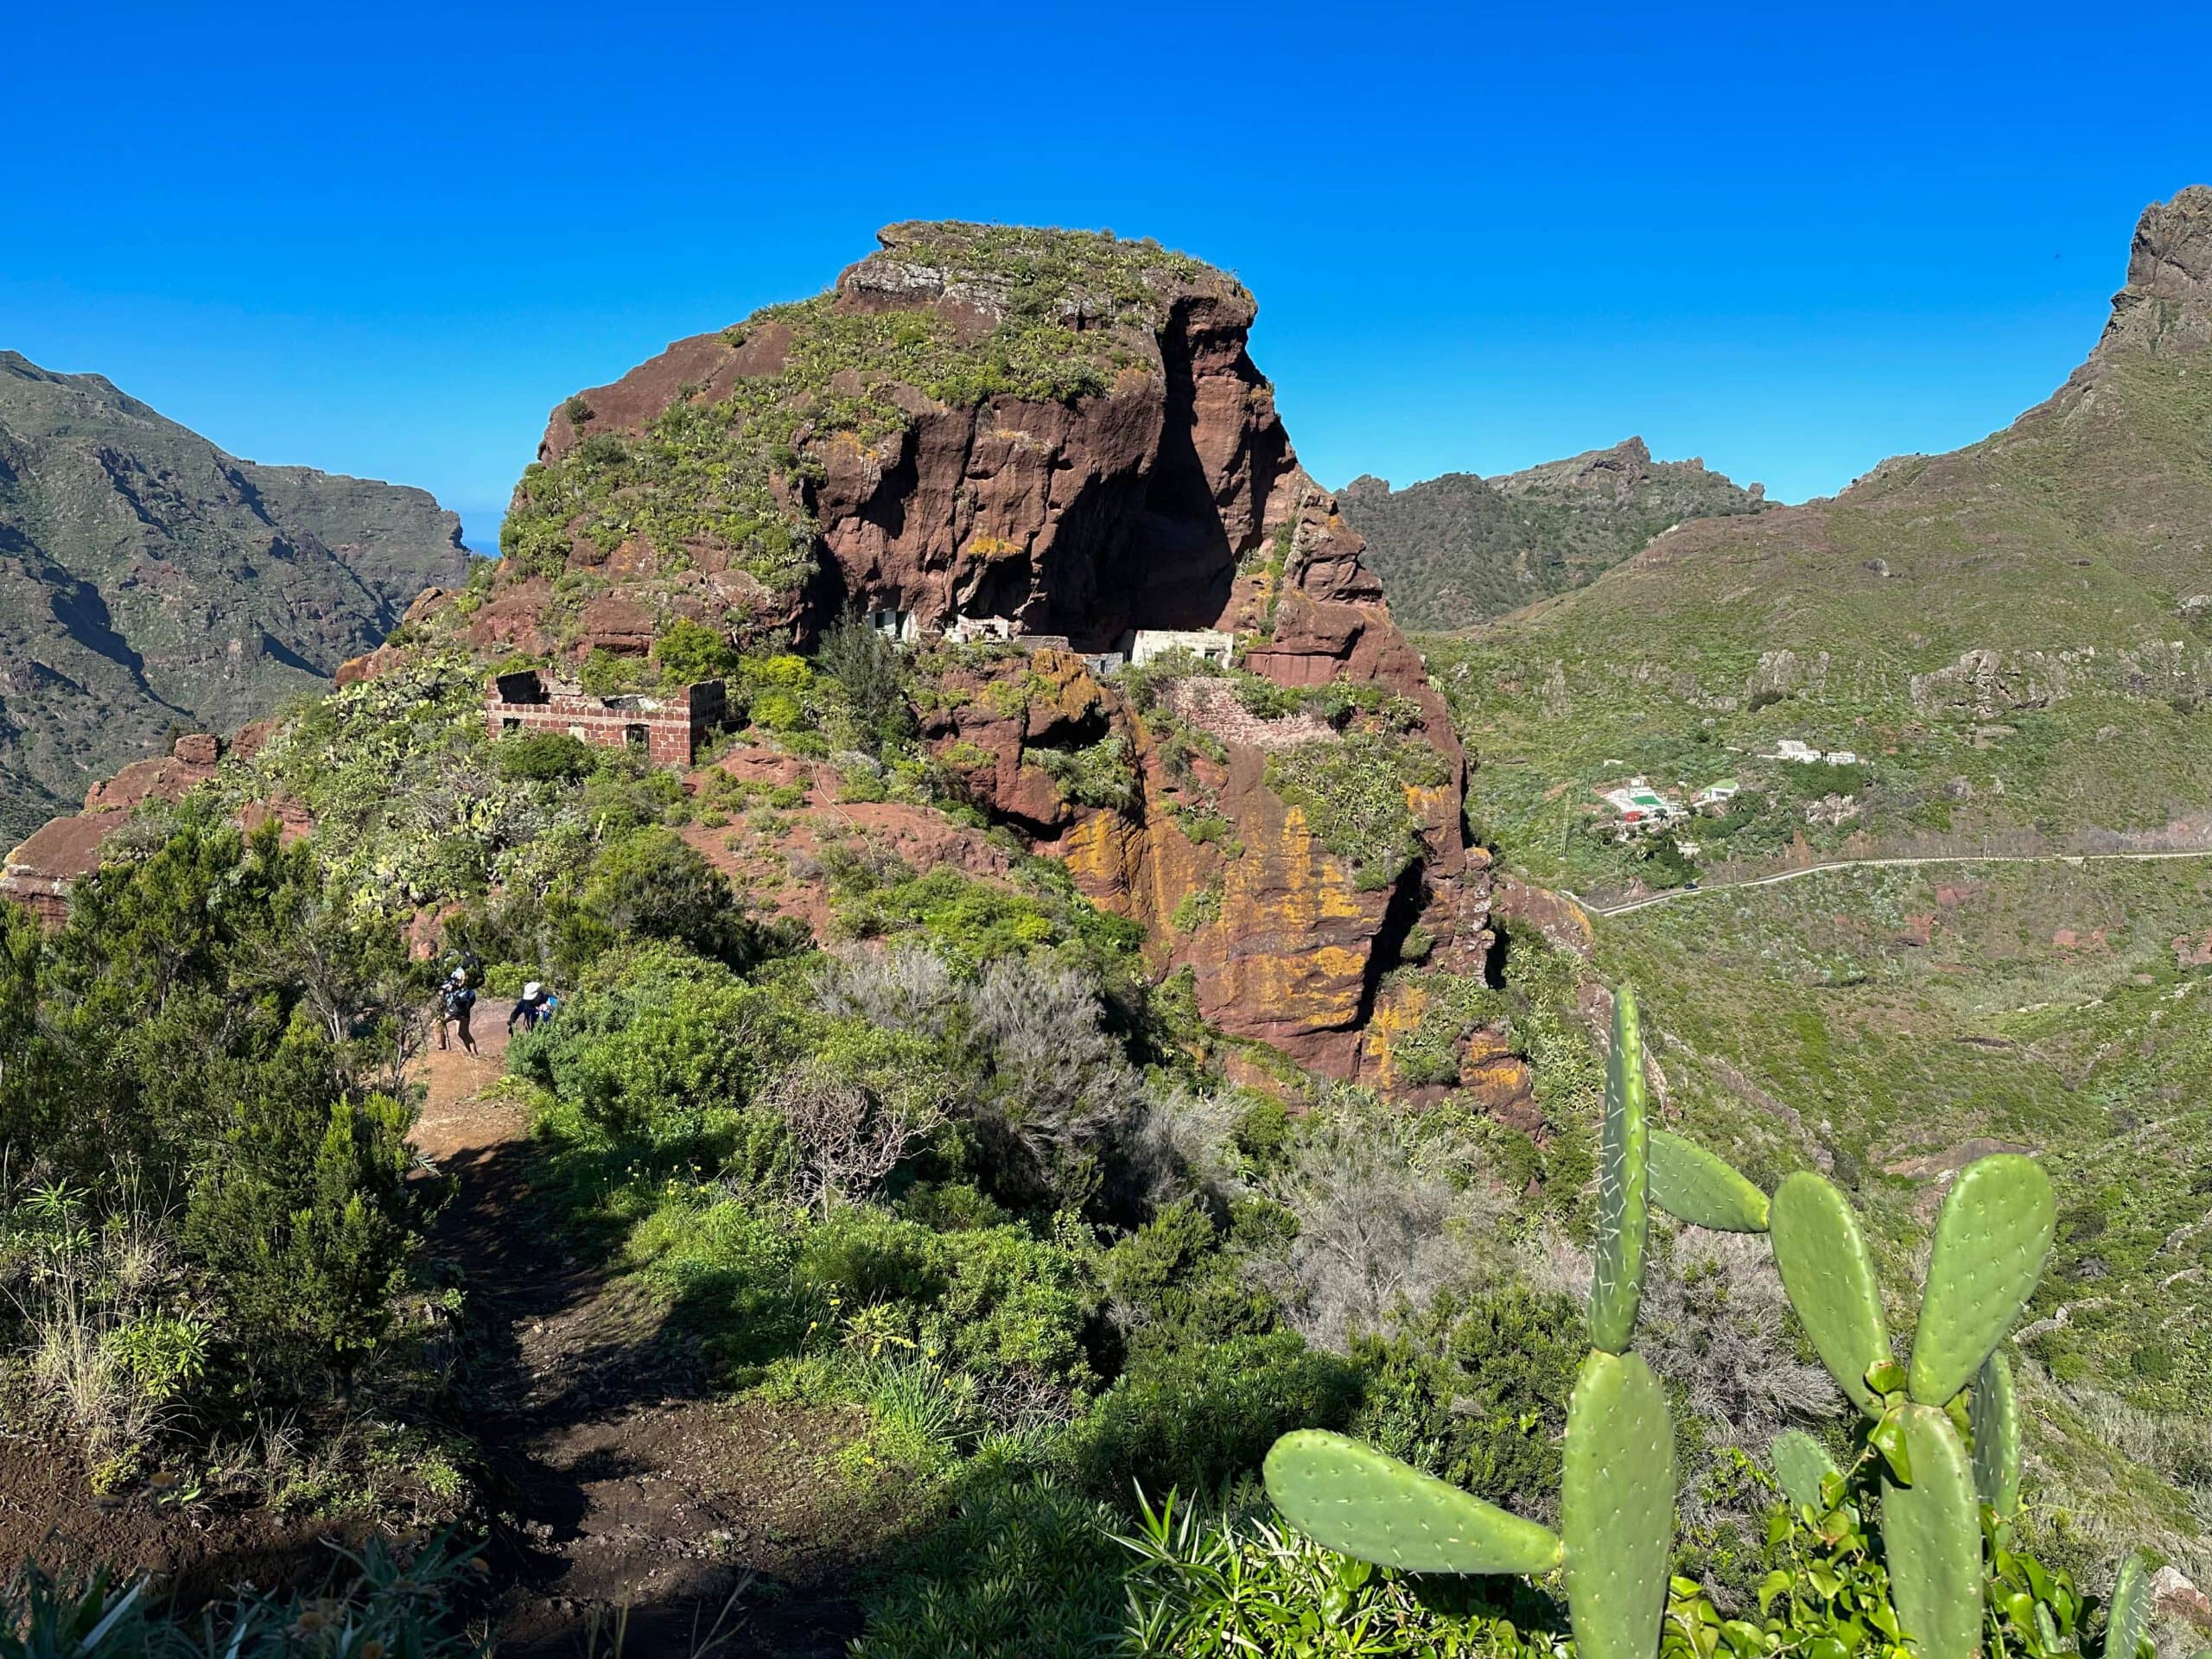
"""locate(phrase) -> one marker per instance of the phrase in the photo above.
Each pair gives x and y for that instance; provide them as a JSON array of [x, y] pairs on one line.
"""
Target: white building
[[1208, 644], [976, 630], [896, 625]]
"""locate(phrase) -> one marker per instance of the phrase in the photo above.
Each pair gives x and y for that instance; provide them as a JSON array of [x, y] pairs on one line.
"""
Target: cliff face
[[1065, 431], [150, 581]]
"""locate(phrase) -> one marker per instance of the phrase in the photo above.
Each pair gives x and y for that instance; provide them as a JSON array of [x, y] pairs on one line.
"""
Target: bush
[[872, 672], [1101, 775], [305, 1218], [688, 652], [544, 757], [1201, 1417], [654, 885]]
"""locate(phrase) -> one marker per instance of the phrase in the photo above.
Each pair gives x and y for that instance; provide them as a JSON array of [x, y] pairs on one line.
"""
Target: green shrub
[[688, 652], [611, 674], [305, 1218], [1197, 1418], [654, 885], [1352, 792], [1101, 775], [872, 672], [544, 757]]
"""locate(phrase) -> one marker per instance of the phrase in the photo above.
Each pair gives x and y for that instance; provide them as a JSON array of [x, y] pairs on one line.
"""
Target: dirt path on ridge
[[621, 1487]]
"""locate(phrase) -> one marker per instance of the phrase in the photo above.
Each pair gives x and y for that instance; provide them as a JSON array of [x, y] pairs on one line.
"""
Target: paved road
[[2077, 859]]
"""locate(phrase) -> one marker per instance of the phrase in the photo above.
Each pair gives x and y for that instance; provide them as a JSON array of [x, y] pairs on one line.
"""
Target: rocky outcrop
[[40, 872], [1065, 431], [2166, 305]]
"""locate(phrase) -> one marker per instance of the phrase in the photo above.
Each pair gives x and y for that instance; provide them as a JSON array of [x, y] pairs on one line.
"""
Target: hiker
[[456, 1003], [534, 1009]]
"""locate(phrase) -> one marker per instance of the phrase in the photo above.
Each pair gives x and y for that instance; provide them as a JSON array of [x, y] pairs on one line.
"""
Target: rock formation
[[1065, 432]]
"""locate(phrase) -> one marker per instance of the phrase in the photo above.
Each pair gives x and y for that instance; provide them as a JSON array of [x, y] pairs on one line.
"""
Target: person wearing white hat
[[535, 1006]]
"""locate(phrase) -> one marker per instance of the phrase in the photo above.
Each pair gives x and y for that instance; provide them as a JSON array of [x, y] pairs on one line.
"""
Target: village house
[[1639, 806], [1207, 644], [666, 729]]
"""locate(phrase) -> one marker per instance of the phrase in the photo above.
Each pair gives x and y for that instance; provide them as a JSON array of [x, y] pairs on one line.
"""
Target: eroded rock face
[[1167, 496]]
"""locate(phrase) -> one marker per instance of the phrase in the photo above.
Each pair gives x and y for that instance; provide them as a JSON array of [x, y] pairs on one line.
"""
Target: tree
[[873, 675]]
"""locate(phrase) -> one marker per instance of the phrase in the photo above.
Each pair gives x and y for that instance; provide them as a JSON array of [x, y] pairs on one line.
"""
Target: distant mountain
[[2017, 636], [149, 580], [1459, 550]]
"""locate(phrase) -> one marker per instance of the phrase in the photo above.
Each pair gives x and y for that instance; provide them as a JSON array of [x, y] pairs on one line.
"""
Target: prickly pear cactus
[[1830, 1278], [1623, 1222], [1616, 1507], [2129, 1621], [1997, 1437], [1800, 1464], [1992, 1240], [1931, 1532], [1359, 1502], [1691, 1185]]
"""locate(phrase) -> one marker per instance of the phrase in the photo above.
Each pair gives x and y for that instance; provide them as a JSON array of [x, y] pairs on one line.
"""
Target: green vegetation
[[1353, 792], [1457, 551], [101, 668], [207, 1214]]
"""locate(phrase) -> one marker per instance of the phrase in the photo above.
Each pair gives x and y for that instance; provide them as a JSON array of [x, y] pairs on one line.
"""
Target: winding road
[[1597, 912]]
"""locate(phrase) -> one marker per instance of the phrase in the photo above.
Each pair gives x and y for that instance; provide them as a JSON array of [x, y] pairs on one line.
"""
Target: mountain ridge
[[1457, 549], [149, 579]]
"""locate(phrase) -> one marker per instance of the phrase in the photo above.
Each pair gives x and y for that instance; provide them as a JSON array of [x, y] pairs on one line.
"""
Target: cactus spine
[[1617, 1498]]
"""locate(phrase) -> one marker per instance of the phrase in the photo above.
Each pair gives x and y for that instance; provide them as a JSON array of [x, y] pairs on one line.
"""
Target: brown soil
[[622, 1487]]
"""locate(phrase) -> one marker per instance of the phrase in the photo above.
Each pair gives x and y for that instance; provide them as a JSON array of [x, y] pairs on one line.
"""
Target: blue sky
[[1791, 239]]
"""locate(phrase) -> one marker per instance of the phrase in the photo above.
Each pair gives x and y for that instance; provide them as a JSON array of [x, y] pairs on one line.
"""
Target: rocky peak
[[2167, 303], [1062, 432]]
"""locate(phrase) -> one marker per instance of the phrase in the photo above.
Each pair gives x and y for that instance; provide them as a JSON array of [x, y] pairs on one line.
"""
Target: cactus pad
[[1997, 1436], [2129, 1621], [1616, 1507], [1624, 1181], [1358, 1502], [1931, 1531], [1830, 1278], [1800, 1464], [1691, 1185], [1992, 1240]]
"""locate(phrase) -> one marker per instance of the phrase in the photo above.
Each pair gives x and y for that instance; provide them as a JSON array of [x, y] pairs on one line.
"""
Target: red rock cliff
[[1068, 432]]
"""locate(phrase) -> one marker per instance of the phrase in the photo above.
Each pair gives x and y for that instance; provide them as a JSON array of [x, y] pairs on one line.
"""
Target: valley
[[1056, 991]]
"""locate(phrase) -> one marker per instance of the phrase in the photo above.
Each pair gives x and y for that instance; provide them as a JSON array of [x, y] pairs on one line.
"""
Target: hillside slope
[[1459, 550], [147, 580], [2015, 639]]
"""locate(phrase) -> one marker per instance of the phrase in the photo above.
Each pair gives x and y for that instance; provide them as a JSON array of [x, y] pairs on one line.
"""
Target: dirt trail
[[617, 1479]]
